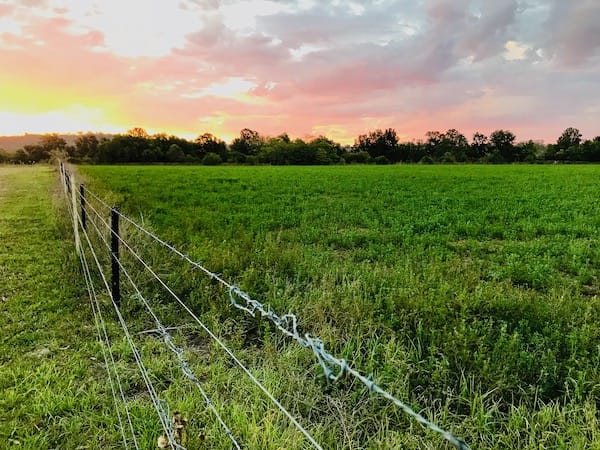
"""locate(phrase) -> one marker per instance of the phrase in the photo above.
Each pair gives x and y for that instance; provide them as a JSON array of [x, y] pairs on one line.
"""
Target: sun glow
[[72, 120], [29, 108]]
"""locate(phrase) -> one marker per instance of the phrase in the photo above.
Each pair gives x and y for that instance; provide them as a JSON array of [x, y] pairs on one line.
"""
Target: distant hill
[[14, 143]]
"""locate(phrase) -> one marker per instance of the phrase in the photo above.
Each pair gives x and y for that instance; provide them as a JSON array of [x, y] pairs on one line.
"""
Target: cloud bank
[[338, 68]]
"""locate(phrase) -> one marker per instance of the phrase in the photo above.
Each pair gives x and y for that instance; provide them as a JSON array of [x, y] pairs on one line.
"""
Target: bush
[[448, 158], [236, 157], [382, 160], [426, 160], [211, 159], [357, 157], [252, 160], [4, 158]]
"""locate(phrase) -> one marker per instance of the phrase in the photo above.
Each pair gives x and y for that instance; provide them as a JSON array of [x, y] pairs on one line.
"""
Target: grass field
[[470, 292], [55, 390], [52, 383]]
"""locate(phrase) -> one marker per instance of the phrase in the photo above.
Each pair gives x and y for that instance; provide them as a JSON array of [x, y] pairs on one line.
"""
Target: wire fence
[[107, 236]]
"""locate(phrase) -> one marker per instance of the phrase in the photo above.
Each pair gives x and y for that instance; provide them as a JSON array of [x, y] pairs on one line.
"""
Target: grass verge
[[51, 378]]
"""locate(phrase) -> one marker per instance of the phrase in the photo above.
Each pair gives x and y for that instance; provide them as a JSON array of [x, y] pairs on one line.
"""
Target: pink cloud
[[362, 71], [6, 10]]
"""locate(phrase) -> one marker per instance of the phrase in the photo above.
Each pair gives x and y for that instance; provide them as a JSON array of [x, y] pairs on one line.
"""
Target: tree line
[[378, 147]]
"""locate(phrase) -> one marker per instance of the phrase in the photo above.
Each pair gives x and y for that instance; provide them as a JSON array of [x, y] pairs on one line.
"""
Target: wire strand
[[168, 342], [219, 342], [99, 321], [158, 403]]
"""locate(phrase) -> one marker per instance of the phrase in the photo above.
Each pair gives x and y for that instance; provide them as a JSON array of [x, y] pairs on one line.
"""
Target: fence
[[91, 230]]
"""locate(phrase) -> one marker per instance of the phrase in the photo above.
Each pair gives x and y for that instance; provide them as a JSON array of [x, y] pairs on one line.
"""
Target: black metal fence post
[[114, 256], [82, 200]]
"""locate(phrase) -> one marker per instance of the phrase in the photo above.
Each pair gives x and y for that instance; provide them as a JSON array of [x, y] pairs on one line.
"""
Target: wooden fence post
[[114, 256], [74, 204], [82, 202]]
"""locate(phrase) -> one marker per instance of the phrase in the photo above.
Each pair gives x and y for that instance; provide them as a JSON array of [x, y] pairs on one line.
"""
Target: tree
[[249, 142], [175, 154], [86, 145], [379, 143], [434, 139], [455, 143], [32, 153], [452, 142], [529, 151], [411, 151], [211, 159], [571, 137], [590, 150], [137, 132], [21, 157], [49, 143], [211, 144], [360, 157], [326, 151], [479, 146], [502, 143]]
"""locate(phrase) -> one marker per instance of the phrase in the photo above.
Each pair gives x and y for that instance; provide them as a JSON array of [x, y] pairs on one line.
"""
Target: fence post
[[82, 200], [114, 256], [75, 216], [63, 177]]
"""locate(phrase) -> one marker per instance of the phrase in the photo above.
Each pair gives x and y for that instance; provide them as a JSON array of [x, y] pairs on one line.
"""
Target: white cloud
[[241, 16], [233, 87], [130, 27], [515, 51], [299, 53]]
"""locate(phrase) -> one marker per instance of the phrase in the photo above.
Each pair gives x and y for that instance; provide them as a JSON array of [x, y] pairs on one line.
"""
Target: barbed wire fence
[[106, 233]]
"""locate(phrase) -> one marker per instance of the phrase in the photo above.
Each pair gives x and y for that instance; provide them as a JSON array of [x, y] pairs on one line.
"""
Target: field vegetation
[[470, 292], [54, 389]]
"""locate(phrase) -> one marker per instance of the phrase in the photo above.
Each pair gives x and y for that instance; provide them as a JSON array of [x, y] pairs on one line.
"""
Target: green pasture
[[471, 292]]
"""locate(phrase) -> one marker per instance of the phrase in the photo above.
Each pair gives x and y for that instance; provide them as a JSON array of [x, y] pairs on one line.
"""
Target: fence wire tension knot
[[288, 325]]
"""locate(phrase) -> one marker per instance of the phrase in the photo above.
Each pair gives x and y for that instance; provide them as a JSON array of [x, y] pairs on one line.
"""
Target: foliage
[[211, 144], [450, 146], [250, 148], [379, 143], [360, 157], [249, 142], [211, 159], [571, 137], [86, 145], [502, 144]]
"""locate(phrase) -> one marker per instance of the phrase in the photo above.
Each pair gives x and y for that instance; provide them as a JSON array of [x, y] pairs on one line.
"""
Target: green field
[[54, 393], [470, 292]]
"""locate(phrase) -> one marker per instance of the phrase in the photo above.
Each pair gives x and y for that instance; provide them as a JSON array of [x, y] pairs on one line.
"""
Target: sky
[[308, 68]]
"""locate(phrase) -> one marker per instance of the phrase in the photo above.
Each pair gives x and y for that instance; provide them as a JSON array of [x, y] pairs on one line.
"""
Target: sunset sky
[[338, 68]]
